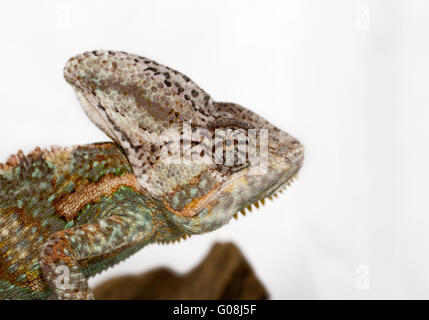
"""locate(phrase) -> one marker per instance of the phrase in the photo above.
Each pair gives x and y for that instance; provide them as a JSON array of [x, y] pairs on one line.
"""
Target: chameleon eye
[[230, 149]]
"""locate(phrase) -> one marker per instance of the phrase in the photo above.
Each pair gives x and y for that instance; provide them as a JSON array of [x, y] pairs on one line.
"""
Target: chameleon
[[68, 213]]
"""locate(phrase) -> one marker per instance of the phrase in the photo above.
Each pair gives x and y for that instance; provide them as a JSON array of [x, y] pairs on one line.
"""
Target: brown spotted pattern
[[134, 99]]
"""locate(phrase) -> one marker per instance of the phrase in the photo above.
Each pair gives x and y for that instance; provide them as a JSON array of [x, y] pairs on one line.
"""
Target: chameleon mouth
[[269, 194], [297, 154]]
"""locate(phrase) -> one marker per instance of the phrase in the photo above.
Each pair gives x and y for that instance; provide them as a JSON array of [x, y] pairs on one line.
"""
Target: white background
[[348, 78]]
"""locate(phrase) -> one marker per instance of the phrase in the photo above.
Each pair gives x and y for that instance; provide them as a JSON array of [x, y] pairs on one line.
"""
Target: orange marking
[[89, 192], [195, 206]]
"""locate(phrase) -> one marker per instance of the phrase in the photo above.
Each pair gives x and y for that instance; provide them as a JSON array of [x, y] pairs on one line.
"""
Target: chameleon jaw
[[269, 195], [257, 204]]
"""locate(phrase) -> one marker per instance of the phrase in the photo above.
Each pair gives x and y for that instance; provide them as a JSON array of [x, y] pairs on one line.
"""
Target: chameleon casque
[[76, 211]]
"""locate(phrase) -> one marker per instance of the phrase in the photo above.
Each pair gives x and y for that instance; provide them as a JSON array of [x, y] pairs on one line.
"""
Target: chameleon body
[[69, 213]]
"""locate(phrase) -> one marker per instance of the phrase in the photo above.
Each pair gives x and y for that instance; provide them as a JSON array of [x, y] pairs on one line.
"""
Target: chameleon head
[[204, 160]]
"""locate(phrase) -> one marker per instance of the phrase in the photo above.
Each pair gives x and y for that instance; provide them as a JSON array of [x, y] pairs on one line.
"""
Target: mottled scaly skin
[[57, 192], [33, 196], [69, 213]]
